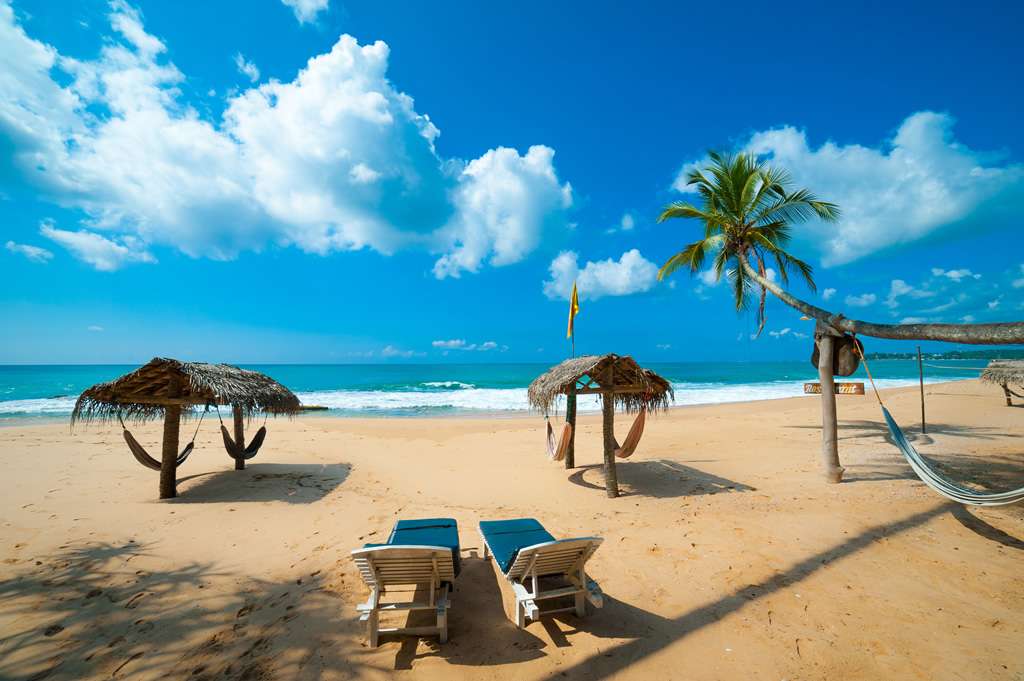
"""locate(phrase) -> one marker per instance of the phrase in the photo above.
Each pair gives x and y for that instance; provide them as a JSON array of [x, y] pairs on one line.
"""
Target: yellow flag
[[574, 309]]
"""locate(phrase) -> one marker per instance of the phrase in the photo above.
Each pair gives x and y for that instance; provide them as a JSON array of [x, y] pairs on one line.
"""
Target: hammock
[[942, 485], [237, 450], [636, 431], [143, 457], [556, 452]]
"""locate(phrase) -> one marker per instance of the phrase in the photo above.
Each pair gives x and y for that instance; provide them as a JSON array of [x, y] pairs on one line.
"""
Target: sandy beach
[[726, 557]]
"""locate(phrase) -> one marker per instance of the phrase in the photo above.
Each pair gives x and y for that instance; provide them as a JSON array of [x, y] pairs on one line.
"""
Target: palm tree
[[748, 211]]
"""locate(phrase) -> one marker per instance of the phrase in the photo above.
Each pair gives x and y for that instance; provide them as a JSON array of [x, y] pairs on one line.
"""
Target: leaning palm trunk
[[1002, 333]]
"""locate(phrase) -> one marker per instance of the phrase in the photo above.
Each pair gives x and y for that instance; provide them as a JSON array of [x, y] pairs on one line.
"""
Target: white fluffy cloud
[[502, 204], [461, 344], [306, 11], [920, 182], [247, 68], [102, 253], [863, 300], [335, 159], [33, 253], [828, 293], [631, 273], [955, 275]]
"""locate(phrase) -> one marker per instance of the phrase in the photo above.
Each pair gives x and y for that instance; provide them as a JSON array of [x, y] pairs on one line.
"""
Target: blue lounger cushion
[[506, 537], [426, 532]]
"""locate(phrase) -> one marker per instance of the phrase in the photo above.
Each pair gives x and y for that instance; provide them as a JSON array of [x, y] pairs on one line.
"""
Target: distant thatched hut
[[1004, 373], [618, 380], [167, 387]]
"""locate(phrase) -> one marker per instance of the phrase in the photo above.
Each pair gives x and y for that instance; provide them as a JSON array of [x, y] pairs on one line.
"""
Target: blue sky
[[327, 181]]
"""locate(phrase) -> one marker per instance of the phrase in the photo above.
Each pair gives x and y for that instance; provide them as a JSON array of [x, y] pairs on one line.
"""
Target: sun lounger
[[420, 553], [526, 553]]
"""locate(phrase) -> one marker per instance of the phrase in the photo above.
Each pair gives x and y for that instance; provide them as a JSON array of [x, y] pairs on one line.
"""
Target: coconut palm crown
[[748, 209]]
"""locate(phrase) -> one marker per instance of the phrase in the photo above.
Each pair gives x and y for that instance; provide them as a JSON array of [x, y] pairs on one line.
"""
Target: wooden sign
[[841, 388]]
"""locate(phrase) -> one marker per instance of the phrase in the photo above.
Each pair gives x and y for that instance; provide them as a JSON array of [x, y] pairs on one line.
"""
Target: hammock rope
[[944, 486]]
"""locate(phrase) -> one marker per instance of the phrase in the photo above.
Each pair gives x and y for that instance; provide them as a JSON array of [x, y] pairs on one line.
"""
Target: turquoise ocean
[[35, 392]]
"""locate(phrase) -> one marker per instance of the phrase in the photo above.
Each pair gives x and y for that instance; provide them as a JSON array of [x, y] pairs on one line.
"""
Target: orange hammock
[[636, 431], [556, 451]]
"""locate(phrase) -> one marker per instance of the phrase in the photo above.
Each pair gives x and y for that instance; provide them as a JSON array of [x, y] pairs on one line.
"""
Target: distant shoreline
[[481, 414]]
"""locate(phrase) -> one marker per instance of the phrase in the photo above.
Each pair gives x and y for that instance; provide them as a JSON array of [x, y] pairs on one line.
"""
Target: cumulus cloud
[[389, 351], [828, 293], [955, 275], [914, 320], [106, 255], [454, 344], [919, 183], [33, 253], [306, 11], [461, 344], [335, 159], [502, 204], [631, 273], [626, 224], [247, 68], [1019, 283], [863, 300]]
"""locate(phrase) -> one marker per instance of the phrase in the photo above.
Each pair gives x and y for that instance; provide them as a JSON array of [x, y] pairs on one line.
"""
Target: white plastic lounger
[[423, 554], [525, 552]]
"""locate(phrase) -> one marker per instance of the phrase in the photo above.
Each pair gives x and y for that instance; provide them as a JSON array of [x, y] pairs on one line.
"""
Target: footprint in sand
[[244, 611], [133, 602], [53, 630]]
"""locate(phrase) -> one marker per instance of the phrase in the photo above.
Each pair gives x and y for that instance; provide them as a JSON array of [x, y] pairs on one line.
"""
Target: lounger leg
[[373, 626], [581, 596], [483, 542], [442, 615], [520, 615]]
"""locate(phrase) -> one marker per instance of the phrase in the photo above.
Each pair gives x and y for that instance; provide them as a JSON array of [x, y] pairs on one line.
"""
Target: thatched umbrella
[[1005, 373], [618, 380], [167, 387]]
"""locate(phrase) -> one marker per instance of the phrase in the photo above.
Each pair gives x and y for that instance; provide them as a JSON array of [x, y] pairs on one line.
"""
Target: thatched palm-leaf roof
[[633, 386], [144, 393], [1004, 372]]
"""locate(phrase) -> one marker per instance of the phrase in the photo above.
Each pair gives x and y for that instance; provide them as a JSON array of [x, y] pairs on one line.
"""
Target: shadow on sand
[[291, 483], [659, 478]]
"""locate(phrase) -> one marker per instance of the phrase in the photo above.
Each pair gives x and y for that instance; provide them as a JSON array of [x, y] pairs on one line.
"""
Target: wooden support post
[[611, 476], [1006, 391], [169, 455], [239, 435], [570, 418], [829, 424], [920, 378]]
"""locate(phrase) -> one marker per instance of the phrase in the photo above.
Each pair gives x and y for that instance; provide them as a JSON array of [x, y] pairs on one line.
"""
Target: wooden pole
[[920, 378], [829, 424], [611, 476], [236, 411], [1006, 391], [570, 418], [169, 455]]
